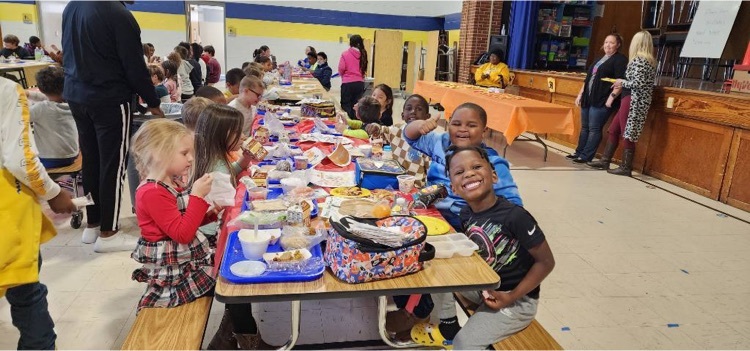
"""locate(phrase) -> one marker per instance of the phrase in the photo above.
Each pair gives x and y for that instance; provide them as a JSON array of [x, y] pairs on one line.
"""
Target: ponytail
[[357, 42], [256, 54]]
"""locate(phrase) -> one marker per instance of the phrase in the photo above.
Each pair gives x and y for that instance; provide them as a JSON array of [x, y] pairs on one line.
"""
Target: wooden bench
[[534, 337], [176, 328]]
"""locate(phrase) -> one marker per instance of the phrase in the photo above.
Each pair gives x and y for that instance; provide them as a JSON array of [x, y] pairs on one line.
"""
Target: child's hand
[[497, 300], [428, 126], [202, 186], [373, 130], [341, 124], [62, 203]]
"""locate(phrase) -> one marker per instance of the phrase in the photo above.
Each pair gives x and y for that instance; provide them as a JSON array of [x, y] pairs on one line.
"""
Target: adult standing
[[637, 88], [597, 98], [352, 69], [104, 68]]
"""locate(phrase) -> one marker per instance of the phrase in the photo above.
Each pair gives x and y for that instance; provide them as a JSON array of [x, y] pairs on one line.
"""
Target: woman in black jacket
[[598, 99]]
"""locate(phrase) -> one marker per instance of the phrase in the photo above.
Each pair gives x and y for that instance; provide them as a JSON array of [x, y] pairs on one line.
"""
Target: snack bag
[[428, 196]]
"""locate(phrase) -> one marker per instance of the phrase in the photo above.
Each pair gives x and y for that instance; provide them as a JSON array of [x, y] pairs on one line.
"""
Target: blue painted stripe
[[27, 2], [330, 17], [453, 21], [172, 7]]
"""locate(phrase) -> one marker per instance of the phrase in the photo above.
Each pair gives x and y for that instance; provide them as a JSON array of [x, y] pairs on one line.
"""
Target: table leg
[[382, 305], [296, 312], [536, 139]]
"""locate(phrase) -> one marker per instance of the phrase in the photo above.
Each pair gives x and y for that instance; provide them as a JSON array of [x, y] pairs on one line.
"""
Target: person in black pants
[[352, 68], [597, 99], [104, 68]]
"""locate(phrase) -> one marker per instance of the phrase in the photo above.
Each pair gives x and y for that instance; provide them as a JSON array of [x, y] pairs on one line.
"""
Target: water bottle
[[38, 53], [387, 152]]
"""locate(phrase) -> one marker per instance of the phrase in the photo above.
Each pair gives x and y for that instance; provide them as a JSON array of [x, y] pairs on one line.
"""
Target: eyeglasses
[[256, 93]]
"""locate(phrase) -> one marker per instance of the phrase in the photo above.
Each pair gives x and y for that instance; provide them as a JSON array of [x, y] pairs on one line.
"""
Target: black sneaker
[[571, 157], [579, 160]]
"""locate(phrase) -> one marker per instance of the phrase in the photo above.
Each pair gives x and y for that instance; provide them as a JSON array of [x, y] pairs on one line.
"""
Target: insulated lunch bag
[[373, 174], [354, 259]]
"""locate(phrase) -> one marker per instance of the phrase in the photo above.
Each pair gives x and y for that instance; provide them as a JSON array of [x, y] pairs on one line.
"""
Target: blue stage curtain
[[523, 28]]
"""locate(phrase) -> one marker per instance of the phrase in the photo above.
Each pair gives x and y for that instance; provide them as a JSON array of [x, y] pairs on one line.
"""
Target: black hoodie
[[103, 55]]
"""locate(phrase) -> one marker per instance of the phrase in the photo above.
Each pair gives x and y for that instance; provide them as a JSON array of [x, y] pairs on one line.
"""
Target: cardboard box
[[741, 81]]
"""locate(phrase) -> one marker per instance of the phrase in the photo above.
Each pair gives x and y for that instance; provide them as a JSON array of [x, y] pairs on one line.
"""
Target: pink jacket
[[349, 66]]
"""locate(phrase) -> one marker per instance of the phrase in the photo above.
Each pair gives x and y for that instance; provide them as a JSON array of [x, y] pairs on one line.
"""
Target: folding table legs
[[296, 312], [382, 305], [525, 138]]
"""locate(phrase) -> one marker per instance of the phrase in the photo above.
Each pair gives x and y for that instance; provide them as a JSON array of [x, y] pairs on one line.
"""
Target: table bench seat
[[176, 328]]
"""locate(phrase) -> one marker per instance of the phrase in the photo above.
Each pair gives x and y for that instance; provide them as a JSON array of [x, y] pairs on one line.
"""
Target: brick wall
[[475, 31]]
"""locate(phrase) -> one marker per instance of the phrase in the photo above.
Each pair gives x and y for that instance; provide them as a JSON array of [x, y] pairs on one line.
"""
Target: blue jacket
[[103, 55], [323, 72], [434, 145]]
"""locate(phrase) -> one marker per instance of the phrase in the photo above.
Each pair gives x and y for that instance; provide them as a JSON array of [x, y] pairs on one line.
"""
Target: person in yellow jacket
[[23, 183], [490, 73]]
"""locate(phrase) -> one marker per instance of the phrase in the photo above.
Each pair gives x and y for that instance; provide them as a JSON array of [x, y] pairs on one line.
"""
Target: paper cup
[[405, 183], [253, 247], [366, 150]]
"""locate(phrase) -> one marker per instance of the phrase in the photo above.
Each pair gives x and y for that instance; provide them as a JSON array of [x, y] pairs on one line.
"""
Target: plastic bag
[[273, 124], [265, 219], [222, 191], [293, 238], [60, 218]]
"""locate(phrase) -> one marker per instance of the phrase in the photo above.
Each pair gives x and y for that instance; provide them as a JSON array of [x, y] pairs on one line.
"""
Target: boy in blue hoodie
[[466, 128]]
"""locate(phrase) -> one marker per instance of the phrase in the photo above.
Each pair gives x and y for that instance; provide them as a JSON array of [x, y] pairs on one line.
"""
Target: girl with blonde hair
[[637, 88]]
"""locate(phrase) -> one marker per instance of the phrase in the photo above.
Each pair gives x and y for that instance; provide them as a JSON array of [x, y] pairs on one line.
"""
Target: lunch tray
[[233, 255]]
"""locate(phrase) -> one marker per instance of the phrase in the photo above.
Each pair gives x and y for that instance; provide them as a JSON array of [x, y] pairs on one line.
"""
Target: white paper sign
[[710, 29]]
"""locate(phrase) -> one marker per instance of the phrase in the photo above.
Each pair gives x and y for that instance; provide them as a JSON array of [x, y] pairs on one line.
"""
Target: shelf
[[555, 35]]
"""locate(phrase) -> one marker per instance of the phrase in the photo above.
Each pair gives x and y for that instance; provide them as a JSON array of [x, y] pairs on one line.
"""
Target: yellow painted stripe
[[160, 21], [13, 12], [318, 32], [454, 35]]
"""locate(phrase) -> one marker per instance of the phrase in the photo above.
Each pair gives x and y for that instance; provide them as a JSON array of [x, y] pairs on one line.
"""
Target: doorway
[[206, 24]]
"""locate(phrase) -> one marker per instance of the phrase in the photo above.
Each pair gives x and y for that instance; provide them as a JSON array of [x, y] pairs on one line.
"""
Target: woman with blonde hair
[[637, 88]]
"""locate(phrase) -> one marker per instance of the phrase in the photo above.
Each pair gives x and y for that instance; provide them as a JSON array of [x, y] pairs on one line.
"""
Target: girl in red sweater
[[177, 258]]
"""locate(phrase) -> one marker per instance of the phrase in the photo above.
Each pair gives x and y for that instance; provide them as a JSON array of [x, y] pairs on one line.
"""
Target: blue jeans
[[30, 314], [593, 120]]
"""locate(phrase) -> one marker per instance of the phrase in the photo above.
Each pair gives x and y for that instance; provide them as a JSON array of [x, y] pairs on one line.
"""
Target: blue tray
[[233, 255], [275, 193]]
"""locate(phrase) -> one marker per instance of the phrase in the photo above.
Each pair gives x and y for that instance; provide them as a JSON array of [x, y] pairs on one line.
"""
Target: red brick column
[[475, 31]]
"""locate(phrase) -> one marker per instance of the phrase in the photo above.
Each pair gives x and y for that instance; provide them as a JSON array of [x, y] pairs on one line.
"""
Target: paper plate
[[435, 226], [360, 208], [343, 192], [248, 268]]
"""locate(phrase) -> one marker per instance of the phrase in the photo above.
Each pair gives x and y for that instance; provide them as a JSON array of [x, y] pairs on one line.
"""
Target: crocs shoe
[[428, 334]]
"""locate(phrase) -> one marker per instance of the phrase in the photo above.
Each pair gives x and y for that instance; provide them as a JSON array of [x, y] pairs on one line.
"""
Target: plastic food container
[[447, 246]]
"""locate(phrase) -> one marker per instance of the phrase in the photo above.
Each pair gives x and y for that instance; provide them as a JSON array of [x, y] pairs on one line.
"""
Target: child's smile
[[466, 128]]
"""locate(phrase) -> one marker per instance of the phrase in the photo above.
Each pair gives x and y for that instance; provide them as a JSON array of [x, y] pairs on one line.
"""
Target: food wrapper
[[262, 134], [428, 196], [265, 219], [301, 237]]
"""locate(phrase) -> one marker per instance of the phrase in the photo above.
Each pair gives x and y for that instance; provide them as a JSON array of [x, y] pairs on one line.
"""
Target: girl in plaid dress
[[177, 258]]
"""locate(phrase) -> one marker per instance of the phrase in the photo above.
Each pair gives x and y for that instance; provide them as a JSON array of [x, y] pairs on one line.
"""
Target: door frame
[[224, 16]]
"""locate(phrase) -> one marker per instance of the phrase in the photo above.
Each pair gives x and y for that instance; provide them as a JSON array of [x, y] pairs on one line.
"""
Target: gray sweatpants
[[488, 326]]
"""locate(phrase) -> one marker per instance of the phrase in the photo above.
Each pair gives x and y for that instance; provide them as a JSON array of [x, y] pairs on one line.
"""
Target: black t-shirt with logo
[[505, 232]]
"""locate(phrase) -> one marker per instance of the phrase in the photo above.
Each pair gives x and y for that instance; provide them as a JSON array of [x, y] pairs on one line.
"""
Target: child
[[510, 240], [312, 59], [269, 76], [171, 248], [157, 79], [352, 69], [171, 80], [212, 155], [33, 44], [384, 94], [192, 109], [413, 161], [368, 111], [251, 91], [211, 93], [233, 78], [323, 72], [55, 129], [196, 72], [212, 65], [466, 128], [23, 183], [184, 70], [11, 48]]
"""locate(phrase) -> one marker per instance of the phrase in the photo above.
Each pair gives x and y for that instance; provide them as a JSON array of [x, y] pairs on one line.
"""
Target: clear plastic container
[[447, 246]]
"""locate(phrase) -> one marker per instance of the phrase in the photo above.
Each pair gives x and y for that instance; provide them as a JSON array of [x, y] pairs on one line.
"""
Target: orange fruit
[[381, 211]]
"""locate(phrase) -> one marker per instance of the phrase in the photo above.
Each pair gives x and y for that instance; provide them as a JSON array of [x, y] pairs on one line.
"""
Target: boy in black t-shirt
[[511, 242]]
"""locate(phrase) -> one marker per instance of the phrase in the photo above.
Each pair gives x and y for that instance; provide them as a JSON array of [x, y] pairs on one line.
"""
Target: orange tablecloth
[[506, 113]]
